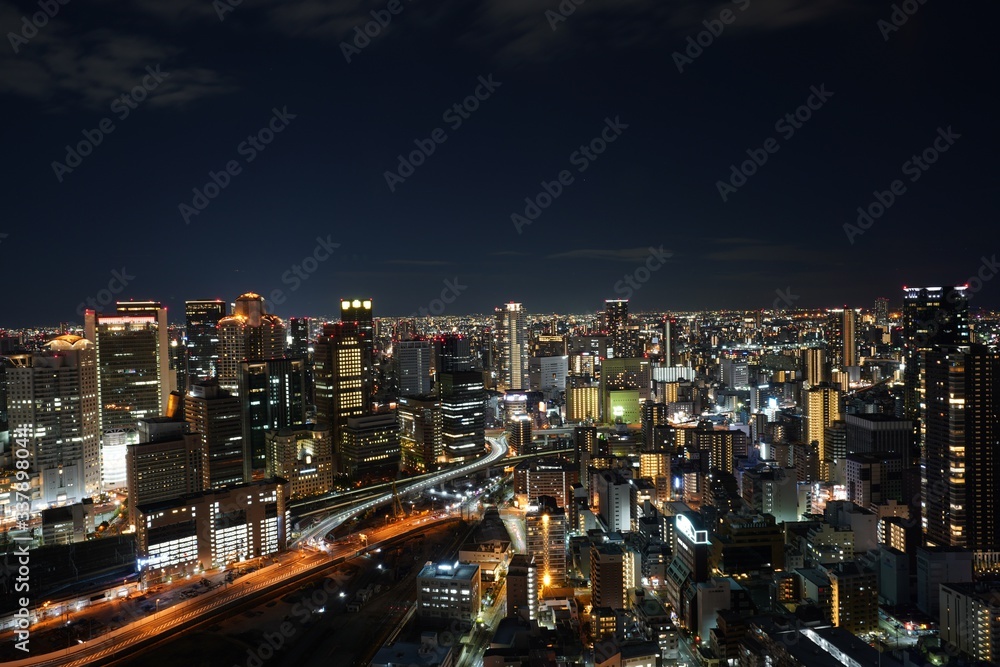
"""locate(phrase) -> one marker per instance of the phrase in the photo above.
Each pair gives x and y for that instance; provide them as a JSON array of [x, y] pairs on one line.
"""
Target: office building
[[453, 353], [853, 598], [133, 377], [343, 372], [874, 479], [582, 403], [616, 500], [298, 341], [215, 416], [519, 436], [166, 463], [210, 529], [931, 316], [849, 353], [511, 347], [815, 365], [369, 443], [880, 435], [201, 335], [463, 414], [272, 396], [302, 455], [415, 358], [960, 465], [936, 566], [249, 333], [360, 313], [420, 437], [52, 399], [449, 592], [545, 539]]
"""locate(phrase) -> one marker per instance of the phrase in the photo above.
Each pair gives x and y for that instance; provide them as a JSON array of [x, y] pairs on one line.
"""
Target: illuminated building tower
[[623, 337], [415, 366], [961, 460], [519, 436], [854, 597], [420, 441], [522, 587], [52, 398], [834, 335], [931, 316], [303, 455], [133, 376], [359, 312], [298, 337], [668, 346], [610, 576], [453, 352], [272, 395], [249, 333], [970, 620], [511, 347], [583, 401], [817, 371], [822, 409], [164, 465], [689, 566], [463, 414], [370, 443], [202, 335], [215, 416], [545, 539], [342, 367], [882, 311], [849, 353], [653, 414]]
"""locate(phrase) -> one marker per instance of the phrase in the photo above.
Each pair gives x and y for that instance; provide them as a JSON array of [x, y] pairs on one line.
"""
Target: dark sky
[[655, 185]]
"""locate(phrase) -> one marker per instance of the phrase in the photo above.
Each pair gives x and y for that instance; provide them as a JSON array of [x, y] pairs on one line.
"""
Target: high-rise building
[[249, 333], [522, 587], [545, 539], [853, 597], [272, 396], [53, 401], [881, 311], [668, 345], [583, 402], [420, 438], [623, 337], [511, 347], [970, 620], [164, 465], [303, 455], [215, 416], [960, 465], [369, 443], [201, 333], [616, 500], [463, 414], [298, 337], [519, 435], [849, 353], [816, 369], [653, 414], [343, 371], [931, 316], [133, 376], [609, 579], [822, 409], [453, 352], [416, 360]]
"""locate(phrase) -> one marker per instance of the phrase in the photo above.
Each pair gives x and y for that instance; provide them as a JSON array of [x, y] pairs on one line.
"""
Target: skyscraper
[[214, 414], [849, 354], [463, 414], [622, 337], [545, 539], [298, 337], [816, 369], [420, 440], [249, 333], [133, 376], [272, 395], [53, 395], [343, 372], [668, 345], [960, 466], [881, 311], [931, 316], [359, 311], [822, 409], [453, 352], [511, 347], [202, 336], [415, 366], [164, 464]]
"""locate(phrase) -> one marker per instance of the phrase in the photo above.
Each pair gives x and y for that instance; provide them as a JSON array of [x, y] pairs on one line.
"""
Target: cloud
[[418, 262], [605, 254], [68, 67]]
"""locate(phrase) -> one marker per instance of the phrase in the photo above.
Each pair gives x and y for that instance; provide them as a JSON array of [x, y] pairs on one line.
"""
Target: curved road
[[498, 450]]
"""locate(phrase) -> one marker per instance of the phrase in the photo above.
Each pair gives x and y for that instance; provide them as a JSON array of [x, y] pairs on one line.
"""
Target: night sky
[[888, 93]]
